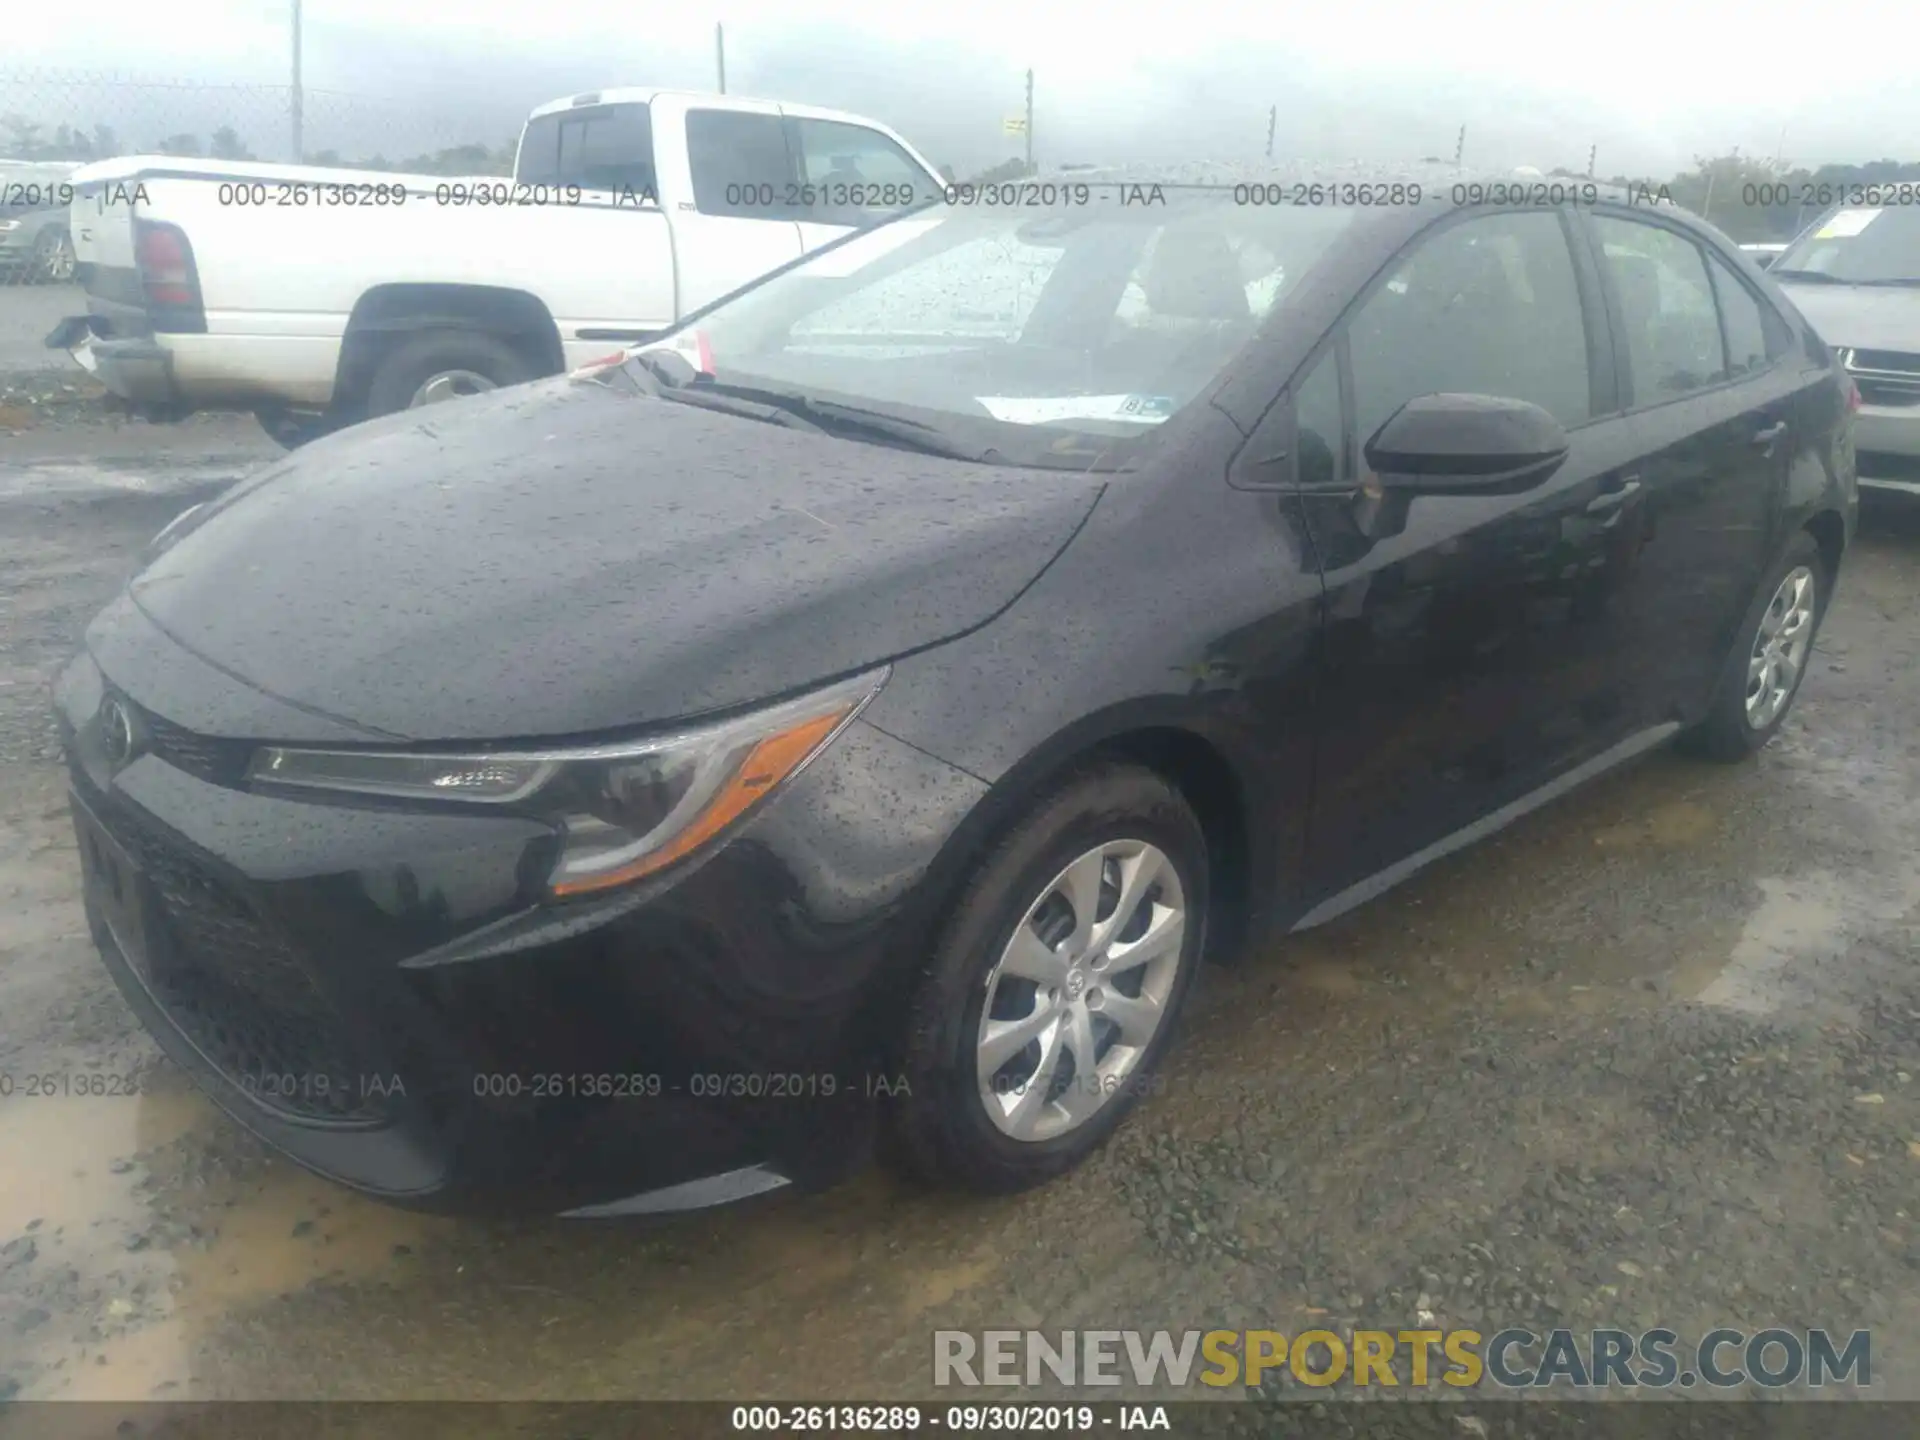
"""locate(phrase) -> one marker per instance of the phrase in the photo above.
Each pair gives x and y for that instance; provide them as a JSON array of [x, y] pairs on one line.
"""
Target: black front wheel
[[1054, 988]]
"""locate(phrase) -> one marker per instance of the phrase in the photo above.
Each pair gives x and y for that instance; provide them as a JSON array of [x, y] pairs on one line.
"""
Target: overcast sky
[[1651, 82]]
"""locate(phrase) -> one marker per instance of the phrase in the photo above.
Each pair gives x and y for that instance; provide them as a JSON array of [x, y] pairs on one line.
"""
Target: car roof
[[1436, 179]]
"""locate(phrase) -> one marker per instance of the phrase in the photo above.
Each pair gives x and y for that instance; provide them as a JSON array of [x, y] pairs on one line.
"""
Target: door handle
[[1612, 498], [1767, 438]]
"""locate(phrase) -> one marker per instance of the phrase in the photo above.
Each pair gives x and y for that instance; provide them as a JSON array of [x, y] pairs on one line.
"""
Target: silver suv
[[1855, 274]]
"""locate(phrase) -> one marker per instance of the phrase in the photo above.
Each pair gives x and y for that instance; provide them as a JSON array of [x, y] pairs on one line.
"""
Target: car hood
[[566, 558], [1860, 317]]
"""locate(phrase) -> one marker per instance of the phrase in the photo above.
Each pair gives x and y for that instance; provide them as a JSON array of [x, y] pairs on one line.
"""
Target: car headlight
[[8, 225], [624, 810]]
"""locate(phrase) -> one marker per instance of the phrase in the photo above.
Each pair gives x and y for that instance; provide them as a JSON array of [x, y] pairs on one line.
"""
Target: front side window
[[855, 175], [741, 165], [1666, 301], [1486, 307], [1318, 426]]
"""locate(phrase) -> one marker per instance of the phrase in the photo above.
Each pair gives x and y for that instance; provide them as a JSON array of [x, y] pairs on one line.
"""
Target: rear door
[[1707, 380], [851, 176], [618, 282], [730, 181], [1473, 644]]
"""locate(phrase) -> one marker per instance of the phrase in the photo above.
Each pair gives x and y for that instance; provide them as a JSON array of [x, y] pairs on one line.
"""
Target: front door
[[740, 223], [1474, 647]]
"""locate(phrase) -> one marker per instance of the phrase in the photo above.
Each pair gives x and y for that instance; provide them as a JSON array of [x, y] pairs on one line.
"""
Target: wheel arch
[[1829, 532], [1200, 766], [387, 314]]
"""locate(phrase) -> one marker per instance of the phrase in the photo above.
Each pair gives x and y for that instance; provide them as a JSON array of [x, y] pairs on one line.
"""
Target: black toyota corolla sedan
[[849, 722]]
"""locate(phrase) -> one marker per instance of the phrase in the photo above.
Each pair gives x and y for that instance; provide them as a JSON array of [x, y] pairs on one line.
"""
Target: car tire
[[290, 429], [463, 361], [1735, 726], [940, 1127], [53, 258]]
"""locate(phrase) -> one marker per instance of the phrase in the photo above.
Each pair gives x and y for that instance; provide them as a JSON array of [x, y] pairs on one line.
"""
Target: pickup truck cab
[[316, 297]]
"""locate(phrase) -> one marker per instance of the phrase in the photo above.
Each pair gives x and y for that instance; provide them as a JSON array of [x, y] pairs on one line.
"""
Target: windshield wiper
[[1819, 276], [1893, 280], [706, 397], [837, 418]]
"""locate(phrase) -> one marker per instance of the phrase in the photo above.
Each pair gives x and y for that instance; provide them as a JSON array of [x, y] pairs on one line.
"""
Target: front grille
[[206, 757], [239, 991], [1881, 465], [1897, 360]]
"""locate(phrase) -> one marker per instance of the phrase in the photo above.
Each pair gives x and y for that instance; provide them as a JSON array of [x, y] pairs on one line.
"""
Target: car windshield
[[1058, 338], [1858, 246]]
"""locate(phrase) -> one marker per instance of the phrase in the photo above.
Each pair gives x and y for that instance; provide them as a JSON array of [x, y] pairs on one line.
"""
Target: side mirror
[[1765, 258], [1466, 445]]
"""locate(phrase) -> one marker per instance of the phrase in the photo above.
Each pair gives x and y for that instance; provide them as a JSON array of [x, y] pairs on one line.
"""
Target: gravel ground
[[27, 314], [1647, 1058]]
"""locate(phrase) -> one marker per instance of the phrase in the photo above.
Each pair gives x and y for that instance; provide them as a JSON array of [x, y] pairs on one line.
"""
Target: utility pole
[[299, 150], [1460, 146], [1029, 122], [720, 53], [1592, 155], [1273, 117]]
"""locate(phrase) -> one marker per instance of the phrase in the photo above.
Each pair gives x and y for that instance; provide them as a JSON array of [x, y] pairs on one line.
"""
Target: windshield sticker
[[1049, 410], [1845, 224]]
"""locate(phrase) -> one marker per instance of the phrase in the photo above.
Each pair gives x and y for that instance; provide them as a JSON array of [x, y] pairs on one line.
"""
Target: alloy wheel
[[1080, 990], [1780, 646], [449, 385], [57, 260]]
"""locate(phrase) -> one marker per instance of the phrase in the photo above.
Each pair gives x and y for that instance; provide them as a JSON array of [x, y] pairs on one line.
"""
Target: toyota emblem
[[116, 731]]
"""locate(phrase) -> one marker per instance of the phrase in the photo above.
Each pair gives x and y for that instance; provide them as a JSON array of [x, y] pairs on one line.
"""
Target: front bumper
[[379, 993], [1886, 443]]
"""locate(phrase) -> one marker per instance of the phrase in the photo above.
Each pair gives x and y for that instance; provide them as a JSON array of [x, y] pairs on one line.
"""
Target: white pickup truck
[[316, 297]]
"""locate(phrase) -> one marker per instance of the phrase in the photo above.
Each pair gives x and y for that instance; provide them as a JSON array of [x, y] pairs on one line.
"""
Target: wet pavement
[[1650, 1057]]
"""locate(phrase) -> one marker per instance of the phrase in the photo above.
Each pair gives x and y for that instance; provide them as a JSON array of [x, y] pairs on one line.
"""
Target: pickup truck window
[[862, 173], [599, 147], [741, 165]]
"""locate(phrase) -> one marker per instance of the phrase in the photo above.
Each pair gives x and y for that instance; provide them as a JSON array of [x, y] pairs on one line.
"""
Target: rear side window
[[598, 147], [859, 174], [1667, 302], [740, 164], [1742, 318]]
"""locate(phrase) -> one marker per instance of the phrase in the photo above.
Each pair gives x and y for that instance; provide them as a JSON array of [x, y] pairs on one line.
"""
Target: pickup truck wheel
[[292, 429], [443, 365], [53, 258]]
